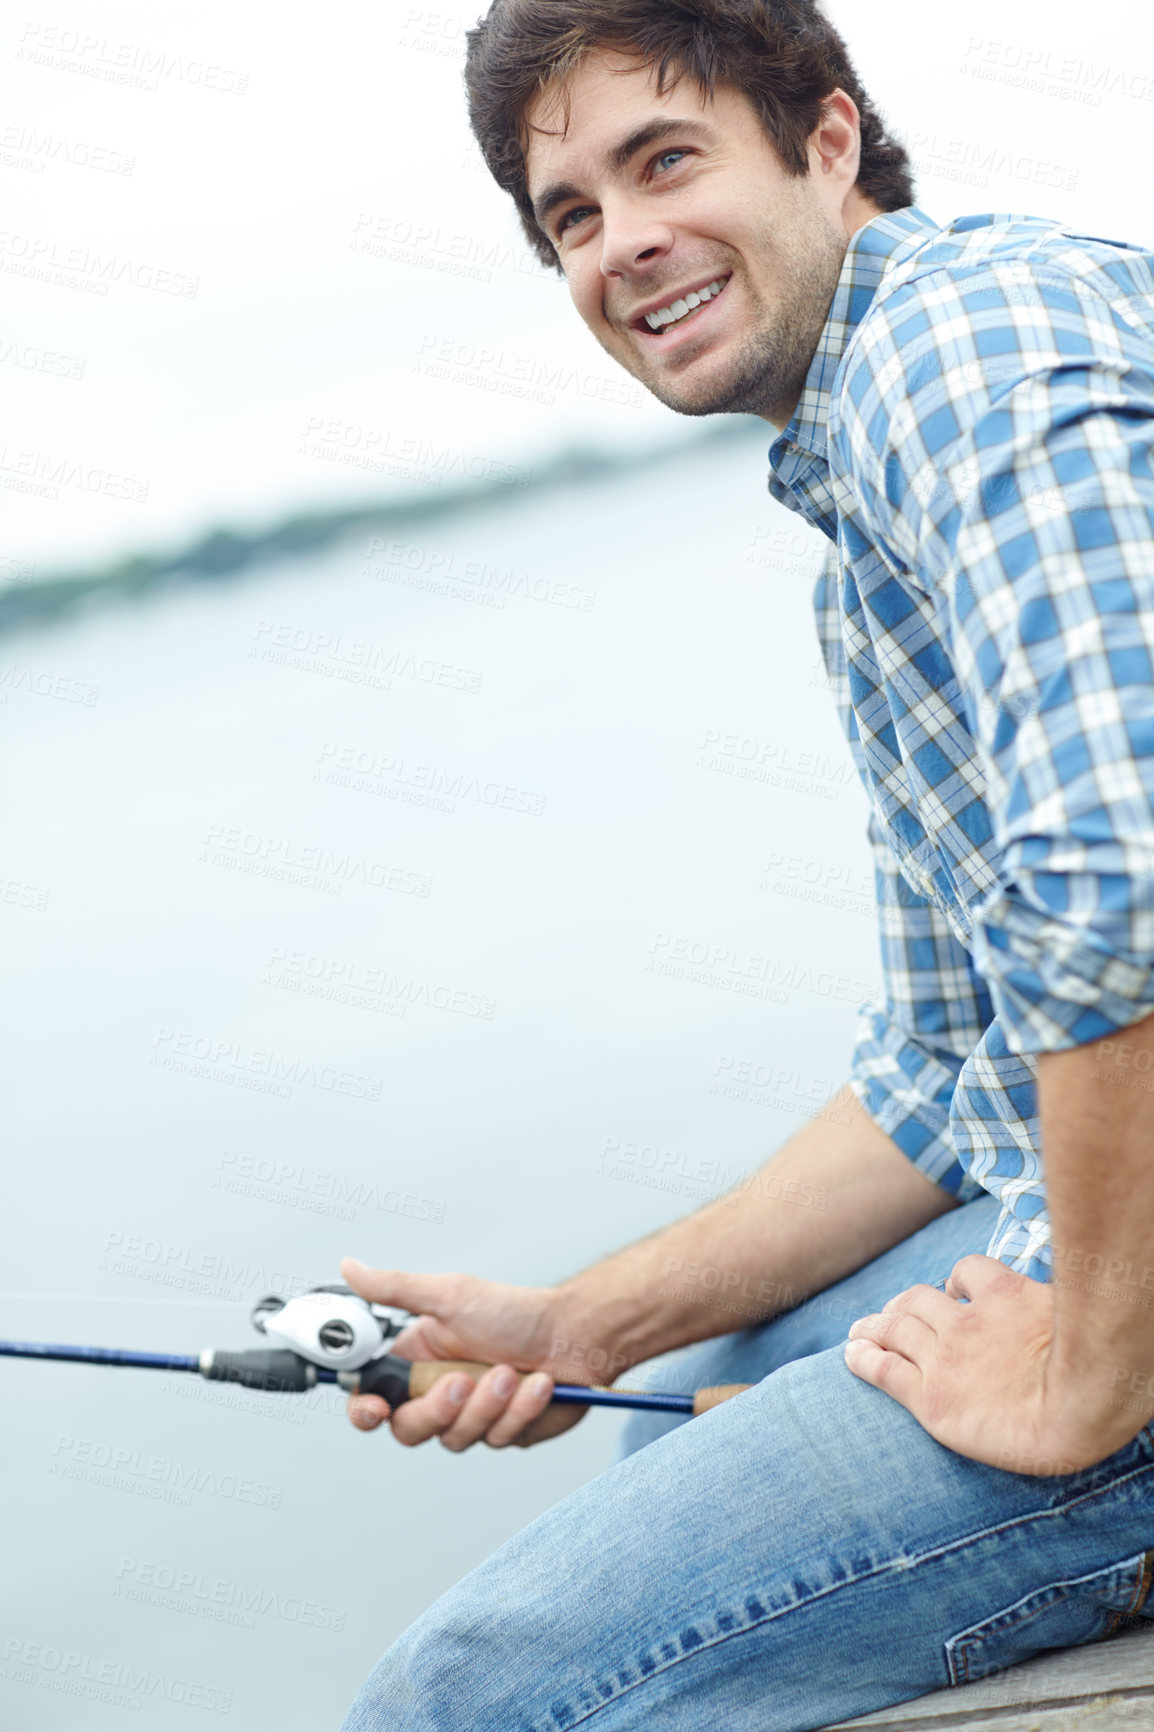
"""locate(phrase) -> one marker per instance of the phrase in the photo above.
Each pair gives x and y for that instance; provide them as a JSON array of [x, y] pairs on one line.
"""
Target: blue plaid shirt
[[976, 438]]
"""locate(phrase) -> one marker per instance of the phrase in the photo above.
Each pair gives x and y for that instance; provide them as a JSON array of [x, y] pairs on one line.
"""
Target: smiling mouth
[[682, 309]]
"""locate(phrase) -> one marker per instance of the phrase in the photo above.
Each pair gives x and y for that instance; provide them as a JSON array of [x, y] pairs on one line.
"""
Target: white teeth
[[678, 310]]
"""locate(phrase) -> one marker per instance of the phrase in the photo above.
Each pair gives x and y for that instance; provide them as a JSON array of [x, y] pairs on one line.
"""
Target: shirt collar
[[798, 468]]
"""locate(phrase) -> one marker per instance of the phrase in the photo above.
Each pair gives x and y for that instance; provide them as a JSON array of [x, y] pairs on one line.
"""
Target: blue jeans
[[801, 1554]]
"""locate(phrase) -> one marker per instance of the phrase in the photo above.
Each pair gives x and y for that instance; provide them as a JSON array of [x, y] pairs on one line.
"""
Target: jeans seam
[[896, 1563], [969, 1641], [1141, 1595]]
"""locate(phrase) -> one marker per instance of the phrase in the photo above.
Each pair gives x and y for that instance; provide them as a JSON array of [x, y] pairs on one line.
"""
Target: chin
[[700, 384], [690, 405], [711, 396]]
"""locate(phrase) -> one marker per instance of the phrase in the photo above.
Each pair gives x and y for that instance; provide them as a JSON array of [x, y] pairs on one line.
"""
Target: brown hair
[[783, 55]]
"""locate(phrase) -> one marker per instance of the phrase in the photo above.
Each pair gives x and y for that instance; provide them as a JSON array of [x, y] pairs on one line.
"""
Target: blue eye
[[666, 154], [570, 215]]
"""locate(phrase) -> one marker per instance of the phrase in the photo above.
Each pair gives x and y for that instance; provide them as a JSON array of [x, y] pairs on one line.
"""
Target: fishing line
[[119, 1299]]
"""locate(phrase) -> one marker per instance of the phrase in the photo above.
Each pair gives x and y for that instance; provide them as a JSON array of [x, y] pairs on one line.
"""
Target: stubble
[[765, 373]]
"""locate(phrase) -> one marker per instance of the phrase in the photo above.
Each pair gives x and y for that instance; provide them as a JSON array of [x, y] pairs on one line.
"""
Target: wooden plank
[[1100, 1687], [1100, 1714]]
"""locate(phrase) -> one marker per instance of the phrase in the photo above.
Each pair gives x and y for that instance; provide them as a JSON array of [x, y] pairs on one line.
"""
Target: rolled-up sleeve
[[1024, 500], [911, 1048]]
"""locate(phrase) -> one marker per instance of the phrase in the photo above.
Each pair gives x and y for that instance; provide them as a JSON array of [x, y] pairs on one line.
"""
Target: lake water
[[484, 927]]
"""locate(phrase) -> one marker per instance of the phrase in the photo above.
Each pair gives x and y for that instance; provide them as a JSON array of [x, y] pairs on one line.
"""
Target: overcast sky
[[235, 239]]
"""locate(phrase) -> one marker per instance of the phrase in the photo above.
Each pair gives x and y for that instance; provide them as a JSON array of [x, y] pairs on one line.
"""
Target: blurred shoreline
[[223, 553]]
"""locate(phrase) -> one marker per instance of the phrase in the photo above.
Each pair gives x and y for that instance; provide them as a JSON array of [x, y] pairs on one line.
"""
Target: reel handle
[[398, 1380]]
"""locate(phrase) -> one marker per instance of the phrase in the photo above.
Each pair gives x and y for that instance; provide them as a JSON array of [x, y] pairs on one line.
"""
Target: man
[[967, 414]]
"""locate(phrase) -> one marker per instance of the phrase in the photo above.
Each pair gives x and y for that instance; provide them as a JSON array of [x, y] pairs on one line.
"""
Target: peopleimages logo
[[119, 1683], [775, 762], [41, 683], [34, 359], [122, 1468], [384, 451], [356, 660], [47, 258], [267, 1072], [27, 148], [1026, 66], [445, 573], [296, 1186], [735, 970], [524, 376], [310, 867], [418, 782], [379, 234], [136, 64], [45, 474], [186, 1590], [349, 981]]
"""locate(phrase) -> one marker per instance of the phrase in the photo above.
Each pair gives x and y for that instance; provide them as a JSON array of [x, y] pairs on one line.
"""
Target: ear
[[834, 145]]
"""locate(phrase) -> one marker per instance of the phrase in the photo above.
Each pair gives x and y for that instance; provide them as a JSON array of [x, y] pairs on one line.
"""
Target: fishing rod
[[331, 1335]]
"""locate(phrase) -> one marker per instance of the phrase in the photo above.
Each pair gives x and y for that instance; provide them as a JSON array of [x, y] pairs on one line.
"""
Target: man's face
[[674, 212]]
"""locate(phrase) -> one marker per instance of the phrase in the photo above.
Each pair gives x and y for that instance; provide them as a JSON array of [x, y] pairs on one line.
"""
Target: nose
[[632, 239]]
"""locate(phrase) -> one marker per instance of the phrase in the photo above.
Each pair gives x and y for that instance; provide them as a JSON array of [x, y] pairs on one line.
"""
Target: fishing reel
[[327, 1335], [329, 1325]]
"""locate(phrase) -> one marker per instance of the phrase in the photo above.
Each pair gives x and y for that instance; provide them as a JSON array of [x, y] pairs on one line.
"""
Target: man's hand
[[462, 1317], [985, 1379]]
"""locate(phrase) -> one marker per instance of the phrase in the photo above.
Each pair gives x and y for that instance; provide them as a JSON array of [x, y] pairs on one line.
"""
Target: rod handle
[[707, 1398], [426, 1372], [398, 1379]]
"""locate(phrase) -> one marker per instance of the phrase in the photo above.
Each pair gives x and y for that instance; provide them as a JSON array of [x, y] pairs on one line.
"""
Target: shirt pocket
[[1061, 1615]]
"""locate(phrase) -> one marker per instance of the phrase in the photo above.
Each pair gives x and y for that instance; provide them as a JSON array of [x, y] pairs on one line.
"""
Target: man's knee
[[642, 1428]]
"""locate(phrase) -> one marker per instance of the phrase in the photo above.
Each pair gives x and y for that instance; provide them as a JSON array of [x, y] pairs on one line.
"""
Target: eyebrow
[[618, 159]]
